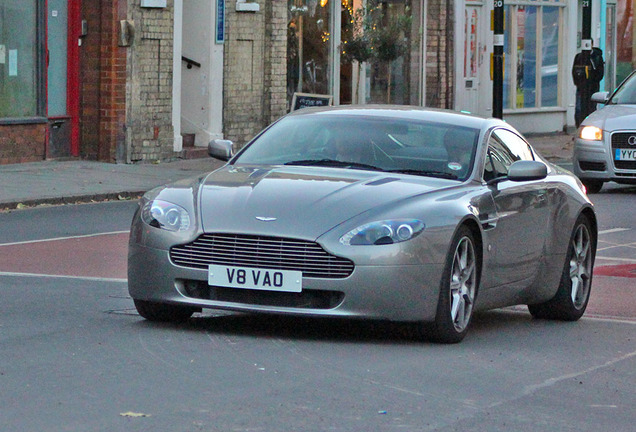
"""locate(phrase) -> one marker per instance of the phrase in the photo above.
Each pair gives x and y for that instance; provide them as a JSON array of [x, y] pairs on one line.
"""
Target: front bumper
[[594, 160], [392, 292]]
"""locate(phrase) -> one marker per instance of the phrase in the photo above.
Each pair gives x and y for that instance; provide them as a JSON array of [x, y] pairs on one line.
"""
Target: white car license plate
[[255, 278], [625, 155]]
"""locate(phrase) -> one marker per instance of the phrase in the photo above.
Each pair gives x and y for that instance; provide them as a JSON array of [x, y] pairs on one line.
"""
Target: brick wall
[[103, 82], [439, 54], [275, 61], [254, 69], [22, 143], [149, 131]]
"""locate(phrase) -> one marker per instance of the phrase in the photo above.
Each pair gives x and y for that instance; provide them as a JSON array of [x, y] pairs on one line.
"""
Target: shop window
[[532, 62], [309, 36], [359, 51], [19, 62], [388, 70]]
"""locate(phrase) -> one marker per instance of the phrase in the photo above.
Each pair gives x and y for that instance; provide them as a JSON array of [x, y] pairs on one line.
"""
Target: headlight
[[591, 133], [383, 232], [162, 214]]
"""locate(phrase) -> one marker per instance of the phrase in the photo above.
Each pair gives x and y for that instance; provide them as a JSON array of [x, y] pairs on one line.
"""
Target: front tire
[[571, 299], [161, 312], [458, 290]]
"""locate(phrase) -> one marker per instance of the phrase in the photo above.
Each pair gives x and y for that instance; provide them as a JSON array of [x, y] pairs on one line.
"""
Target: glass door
[[62, 81], [469, 94]]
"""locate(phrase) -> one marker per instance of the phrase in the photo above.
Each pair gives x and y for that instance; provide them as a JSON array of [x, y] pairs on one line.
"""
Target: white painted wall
[[176, 75]]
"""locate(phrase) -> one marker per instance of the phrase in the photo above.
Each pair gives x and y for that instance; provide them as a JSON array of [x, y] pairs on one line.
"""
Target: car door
[[518, 235]]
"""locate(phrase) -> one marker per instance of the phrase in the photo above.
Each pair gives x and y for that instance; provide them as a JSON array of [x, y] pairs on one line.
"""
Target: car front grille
[[261, 252], [620, 140]]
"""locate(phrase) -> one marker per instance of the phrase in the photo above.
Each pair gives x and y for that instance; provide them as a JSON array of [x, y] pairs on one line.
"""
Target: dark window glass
[[18, 58], [394, 145]]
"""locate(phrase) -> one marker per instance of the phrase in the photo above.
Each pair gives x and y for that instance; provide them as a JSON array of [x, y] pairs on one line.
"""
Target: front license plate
[[625, 155], [255, 278]]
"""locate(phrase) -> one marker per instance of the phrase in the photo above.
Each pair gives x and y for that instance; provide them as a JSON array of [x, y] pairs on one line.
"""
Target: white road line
[[613, 230], [63, 238], [628, 260], [50, 276]]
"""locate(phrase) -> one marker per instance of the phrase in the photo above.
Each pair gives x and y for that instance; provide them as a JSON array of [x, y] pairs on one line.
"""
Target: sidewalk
[[59, 182]]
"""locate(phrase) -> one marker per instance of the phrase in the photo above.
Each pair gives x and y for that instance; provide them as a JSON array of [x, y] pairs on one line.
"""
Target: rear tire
[[458, 290], [161, 312], [571, 299], [592, 186]]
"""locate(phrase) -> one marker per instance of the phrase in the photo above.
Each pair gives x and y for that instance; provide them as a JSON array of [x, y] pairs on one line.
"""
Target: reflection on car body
[[404, 228]]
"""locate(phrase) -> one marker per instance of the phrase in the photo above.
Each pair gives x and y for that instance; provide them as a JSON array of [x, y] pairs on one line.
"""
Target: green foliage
[[376, 35]]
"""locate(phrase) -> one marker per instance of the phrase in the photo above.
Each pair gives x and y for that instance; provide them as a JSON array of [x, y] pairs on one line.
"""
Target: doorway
[[62, 78], [471, 48]]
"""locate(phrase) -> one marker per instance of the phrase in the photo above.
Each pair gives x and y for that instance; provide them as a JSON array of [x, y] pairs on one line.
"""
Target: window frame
[[40, 72]]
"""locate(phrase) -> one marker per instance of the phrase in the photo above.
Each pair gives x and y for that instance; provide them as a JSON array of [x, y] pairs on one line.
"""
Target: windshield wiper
[[334, 163], [438, 174]]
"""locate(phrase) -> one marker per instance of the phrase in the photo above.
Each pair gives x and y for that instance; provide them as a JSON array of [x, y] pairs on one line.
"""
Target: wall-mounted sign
[[220, 21], [307, 100], [13, 62], [154, 3]]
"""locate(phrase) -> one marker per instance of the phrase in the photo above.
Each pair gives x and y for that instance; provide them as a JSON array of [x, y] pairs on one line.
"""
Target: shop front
[[39, 80], [360, 52]]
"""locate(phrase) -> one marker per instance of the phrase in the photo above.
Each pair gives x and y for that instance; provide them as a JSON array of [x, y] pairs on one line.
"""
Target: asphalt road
[[74, 356]]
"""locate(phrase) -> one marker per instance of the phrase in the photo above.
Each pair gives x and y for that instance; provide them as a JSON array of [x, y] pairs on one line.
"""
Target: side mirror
[[600, 97], [221, 149], [527, 171]]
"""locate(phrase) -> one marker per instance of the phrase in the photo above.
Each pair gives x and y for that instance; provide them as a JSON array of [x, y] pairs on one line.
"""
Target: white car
[[605, 144]]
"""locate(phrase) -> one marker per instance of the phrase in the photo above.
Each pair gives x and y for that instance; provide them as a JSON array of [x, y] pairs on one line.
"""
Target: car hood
[[303, 202], [613, 117]]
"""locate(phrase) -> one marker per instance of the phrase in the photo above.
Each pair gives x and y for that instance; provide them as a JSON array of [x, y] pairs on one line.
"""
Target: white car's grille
[[622, 140], [261, 252]]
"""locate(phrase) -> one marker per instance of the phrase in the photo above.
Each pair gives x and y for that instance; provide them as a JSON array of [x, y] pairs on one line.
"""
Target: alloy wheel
[[580, 266], [462, 284]]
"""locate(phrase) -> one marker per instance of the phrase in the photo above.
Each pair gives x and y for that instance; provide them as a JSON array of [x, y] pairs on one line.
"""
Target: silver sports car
[[605, 145], [390, 213]]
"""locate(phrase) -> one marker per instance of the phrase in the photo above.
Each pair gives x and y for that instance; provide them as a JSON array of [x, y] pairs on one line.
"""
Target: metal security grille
[[261, 252], [622, 141]]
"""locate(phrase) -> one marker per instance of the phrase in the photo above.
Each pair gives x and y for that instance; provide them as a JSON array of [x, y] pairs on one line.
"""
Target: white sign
[[13, 62], [153, 3], [3, 54]]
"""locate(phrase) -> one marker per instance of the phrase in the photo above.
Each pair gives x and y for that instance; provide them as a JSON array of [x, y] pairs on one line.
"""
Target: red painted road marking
[[104, 256], [626, 271], [99, 256]]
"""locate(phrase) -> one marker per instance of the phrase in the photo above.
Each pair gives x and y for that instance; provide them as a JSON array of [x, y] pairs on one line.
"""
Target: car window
[[515, 144], [499, 157], [626, 93], [398, 145]]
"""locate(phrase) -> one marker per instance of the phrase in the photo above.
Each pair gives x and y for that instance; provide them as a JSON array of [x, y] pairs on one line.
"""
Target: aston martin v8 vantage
[[380, 212]]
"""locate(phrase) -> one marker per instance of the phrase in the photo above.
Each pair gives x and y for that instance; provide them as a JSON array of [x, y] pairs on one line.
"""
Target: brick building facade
[[127, 91]]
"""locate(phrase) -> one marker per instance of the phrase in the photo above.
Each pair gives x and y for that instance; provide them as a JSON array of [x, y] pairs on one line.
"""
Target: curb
[[79, 199]]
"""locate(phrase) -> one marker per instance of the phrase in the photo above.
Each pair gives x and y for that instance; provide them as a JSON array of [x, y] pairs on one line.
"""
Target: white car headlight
[[383, 232], [591, 133], [165, 215]]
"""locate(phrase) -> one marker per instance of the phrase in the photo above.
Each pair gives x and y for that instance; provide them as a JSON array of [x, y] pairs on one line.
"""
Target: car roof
[[403, 112]]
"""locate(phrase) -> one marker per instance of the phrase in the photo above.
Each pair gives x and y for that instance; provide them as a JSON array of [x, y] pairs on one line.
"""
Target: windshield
[[626, 93], [355, 142]]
